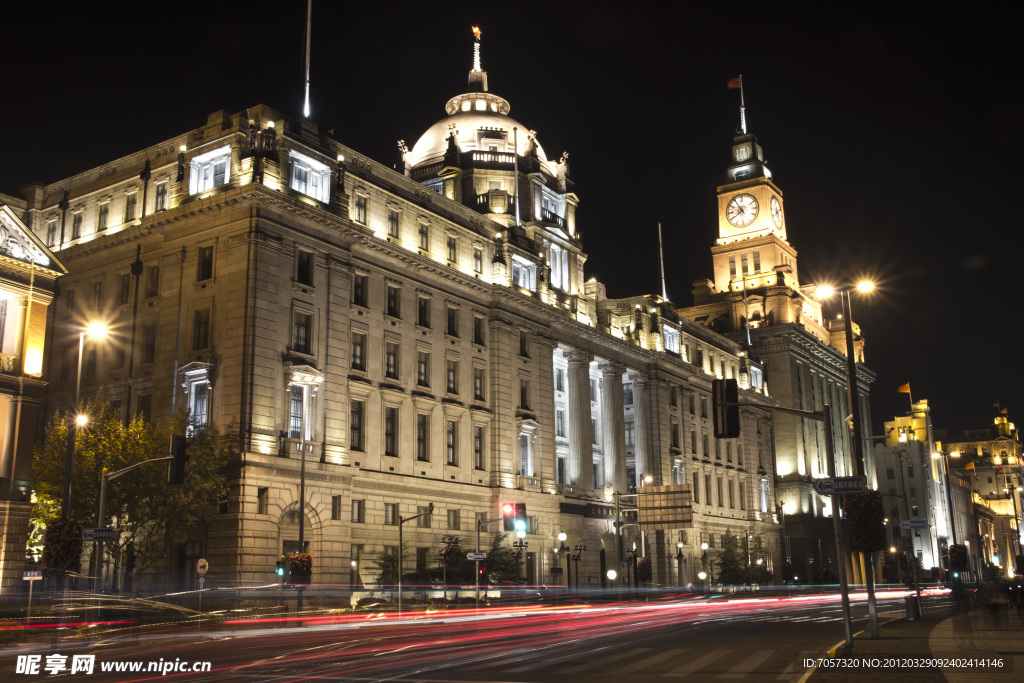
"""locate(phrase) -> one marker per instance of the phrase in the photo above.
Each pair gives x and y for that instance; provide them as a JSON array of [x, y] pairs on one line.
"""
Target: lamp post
[[94, 330], [785, 540], [565, 553], [679, 562]]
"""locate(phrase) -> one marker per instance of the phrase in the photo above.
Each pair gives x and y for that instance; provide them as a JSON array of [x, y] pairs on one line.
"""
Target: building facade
[[422, 336]]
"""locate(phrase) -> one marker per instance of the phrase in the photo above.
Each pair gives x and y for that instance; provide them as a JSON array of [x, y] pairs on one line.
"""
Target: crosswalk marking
[[749, 664], [635, 652], [647, 661], [700, 662]]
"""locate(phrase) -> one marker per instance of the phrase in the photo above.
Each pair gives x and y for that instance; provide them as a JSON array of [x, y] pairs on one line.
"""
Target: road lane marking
[[748, 665], [635, 652], [690, 667], [647, 661]]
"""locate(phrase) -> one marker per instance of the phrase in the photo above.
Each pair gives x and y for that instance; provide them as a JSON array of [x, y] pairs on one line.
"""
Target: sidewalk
[[944, 632]]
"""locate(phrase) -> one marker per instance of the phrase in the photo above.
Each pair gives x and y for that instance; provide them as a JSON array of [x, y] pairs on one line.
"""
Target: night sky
[[895, 136]]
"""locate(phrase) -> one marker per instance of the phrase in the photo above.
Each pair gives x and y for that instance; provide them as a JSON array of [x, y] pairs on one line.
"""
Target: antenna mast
[[309, 25], [661, 259]]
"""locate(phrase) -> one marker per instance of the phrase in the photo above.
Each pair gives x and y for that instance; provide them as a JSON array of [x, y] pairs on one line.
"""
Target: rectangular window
[[743, 262], [913, 511], [391, 432], [478, 384], [423, 312], [147, 344], [336, 508], [478, 260], [304, 268], [144, 406], [424, 236], [303, 332], [76, 225], [732, 267], [675, 435], [453, 249], [423, 369], [358, 351], [360, 286], [524, 343], [732, 496], [559, 423], [696, 489], [153, 281], [693, 442], [51, 234], [296, 410], [391, 514], [392, 223], [757, 262], [890, 473], [453, 520], [360, 216], [423, 521], [201, 329], [707, 490], [478, 447], [262, 493], [913, 492], [718, 491], [451, 443], [97, 295], [359, 511], [630, 434], [452, 329], [422, 436], [161, 196], [129, 207], [559, 380], [910, 470], [524, 394], [355, 426], [452, 376], [478, 330], [393, 302], [204, 264], [391, 360], [209, 170], [126, 284], [310, 177], [102, 216], [703, 406], [200, 404], [627, 393]]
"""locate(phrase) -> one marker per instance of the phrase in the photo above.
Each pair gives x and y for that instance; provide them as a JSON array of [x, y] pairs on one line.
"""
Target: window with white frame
[[196, 383], [160, 203], [671, 338], [303, 382], [129, 206], [558, 259], [764, 494], [51, 233], [524, 273], [525, 455], [210, 170], [102, 216], [478, 447], [451, 443], [310, 177], [392, 223], [360, 208], [478, 260]]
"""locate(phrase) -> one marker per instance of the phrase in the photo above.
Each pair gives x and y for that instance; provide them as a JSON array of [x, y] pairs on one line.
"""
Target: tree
[[150, 515], [760, 574], [459, 569], [731, 567], [501, 562]]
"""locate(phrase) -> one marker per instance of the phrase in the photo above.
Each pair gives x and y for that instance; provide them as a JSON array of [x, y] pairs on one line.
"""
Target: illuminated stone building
[[991, 459], [28, 273], [422, 336], [756, 299]]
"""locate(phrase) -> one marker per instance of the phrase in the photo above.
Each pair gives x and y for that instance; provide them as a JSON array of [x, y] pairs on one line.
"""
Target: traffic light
[[176, 467], [725, 396], [514, 516], [281, 564]]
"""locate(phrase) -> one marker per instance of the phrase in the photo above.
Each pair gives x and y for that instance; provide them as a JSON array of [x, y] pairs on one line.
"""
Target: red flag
[[1003, 411], [904, 388], [996, 404], [1000, 470], [733, 83]]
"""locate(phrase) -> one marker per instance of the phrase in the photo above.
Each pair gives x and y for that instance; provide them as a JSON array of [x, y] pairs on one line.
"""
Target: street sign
[[663, 508], [202, 583], [475, 557], [556, 570], [32, 575], [914, 524], [202, 566], [101, 534], [829, 486]]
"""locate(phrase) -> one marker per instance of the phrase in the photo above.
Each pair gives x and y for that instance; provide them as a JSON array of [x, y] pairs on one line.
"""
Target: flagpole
[[661, 258], [309, 25], [743, 108]]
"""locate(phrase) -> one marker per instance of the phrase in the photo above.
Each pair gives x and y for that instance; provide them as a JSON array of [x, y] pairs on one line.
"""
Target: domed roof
[[483, 113], [471, 114]]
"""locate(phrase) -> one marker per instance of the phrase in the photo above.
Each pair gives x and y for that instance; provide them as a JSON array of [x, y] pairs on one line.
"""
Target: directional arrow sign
[[473, 557], [831, 485], [914, 524]]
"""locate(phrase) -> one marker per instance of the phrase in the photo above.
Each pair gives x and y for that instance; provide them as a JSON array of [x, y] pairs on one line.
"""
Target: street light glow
[[562, 536], [865, 286], [825, 291], [612, 574], [96, 330], [81, 420]]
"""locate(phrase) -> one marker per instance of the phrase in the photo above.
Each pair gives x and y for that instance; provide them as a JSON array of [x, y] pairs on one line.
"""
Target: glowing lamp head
[[562, 536], [892, 549], [703, 546], [612, 574], [96, 330], [702, 575], [865, 286], [81, 420], [825, 291]]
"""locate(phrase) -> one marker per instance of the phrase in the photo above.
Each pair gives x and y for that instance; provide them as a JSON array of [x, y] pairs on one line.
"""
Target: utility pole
[[401, 523]]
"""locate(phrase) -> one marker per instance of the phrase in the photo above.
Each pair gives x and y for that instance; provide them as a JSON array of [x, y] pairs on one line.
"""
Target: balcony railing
[[552, 217]]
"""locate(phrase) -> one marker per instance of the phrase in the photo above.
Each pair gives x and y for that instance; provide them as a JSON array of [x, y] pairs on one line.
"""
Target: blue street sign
[[101, 534], [828, 486], [914, 524], [32, 575], [474, 557]]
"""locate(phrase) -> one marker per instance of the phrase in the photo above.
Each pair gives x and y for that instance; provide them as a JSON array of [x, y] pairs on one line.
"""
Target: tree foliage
[[63, 550], [731, 566], [459, 569], [501, 561], [150, 515], [865, 524]]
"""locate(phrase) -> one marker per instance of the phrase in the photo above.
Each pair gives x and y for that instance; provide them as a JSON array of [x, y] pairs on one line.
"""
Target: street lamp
[[562, 549], [94, 330]]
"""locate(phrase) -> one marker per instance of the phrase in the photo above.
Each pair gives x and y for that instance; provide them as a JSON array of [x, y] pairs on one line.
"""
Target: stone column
[[614, 425], [641, 428], [580, 467]]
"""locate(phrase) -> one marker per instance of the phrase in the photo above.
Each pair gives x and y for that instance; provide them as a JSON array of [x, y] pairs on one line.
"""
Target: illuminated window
[[525, 456], [478, 447], [478, 260], [355, 440], [391, 360], [358, 351], [424, 237], [558, 259], [671, 338], [451, 443], [51, 233], [161, 196], [76, 225], [524, 273], [102, 216], [302, 328], [757, 262], [129, 206], [478, 384], [209, 170], [310, 177], [453, 249], [423, 369], [360, 213], [392, 223]]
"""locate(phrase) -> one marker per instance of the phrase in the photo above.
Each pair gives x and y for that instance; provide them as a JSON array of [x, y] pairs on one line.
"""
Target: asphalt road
[[751, 639]]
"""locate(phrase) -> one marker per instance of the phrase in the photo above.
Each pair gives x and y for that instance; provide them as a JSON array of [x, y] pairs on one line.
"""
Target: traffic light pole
[[480, 523], [401, 523]]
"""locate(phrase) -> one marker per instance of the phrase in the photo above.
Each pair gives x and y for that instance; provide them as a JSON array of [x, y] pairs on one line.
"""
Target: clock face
[[777, 212], [741, 210]]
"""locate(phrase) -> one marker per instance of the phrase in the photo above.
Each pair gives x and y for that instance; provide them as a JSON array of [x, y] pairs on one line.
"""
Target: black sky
[[894, 134]]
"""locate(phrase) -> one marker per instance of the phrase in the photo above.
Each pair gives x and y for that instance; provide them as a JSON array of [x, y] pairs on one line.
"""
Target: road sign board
[[32, 575], [202, 566], [556, 570], [100, 534], [914, 524], [202, 583], [828, 486], [473, 557]]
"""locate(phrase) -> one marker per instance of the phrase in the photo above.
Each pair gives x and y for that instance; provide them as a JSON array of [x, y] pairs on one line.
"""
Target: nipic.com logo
[[86, 664]]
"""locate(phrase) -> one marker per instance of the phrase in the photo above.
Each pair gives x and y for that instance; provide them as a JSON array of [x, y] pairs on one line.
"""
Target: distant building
[[425, 336], [757, 300], [28, 275]]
